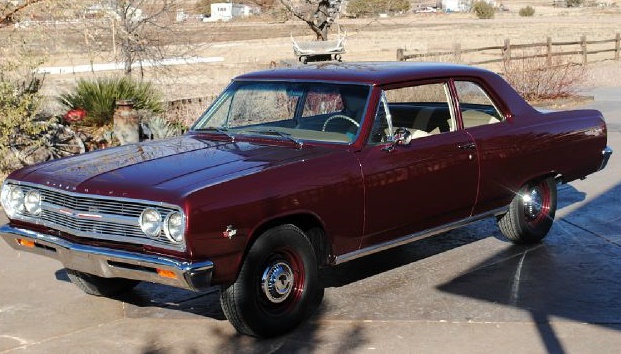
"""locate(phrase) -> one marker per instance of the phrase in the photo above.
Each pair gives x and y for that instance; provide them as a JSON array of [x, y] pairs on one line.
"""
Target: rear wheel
[[531, 213], [277, 286], [98, 286]]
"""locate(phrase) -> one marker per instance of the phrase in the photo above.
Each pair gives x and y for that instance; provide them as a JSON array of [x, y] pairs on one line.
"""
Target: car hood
[[178, 165]]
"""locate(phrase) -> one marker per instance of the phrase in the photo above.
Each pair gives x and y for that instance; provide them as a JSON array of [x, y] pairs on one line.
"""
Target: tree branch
[[8, 12]]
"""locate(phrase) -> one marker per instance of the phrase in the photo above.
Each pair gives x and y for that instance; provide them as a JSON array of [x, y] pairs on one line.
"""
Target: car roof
[[370, 73]]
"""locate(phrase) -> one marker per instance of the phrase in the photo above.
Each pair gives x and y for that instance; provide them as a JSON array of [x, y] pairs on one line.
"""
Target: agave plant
[[159, 127], [98, 97]]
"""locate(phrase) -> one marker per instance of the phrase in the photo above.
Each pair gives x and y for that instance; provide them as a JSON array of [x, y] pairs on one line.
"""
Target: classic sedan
[[293, 169]]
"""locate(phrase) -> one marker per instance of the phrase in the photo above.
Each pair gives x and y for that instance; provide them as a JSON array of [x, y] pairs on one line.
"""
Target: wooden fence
[[583, 49]]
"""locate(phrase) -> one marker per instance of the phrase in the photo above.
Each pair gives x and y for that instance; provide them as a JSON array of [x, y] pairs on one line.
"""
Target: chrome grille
[[98, 217]]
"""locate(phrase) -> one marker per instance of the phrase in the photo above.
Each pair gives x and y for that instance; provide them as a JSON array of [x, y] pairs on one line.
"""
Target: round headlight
[[32, 202], [174, 226], [150, 222], [12, 199]]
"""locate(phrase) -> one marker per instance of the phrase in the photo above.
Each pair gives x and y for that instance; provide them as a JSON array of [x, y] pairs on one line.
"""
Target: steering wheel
[[339, 116]]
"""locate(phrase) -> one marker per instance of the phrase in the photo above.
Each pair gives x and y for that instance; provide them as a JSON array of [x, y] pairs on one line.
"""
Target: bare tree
[[9, 10], [145, 31], [318, 14], [135, 32]]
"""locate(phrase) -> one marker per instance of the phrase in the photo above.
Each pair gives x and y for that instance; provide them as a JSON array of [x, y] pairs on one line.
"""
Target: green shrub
[[527, 11], [360, 8], [20, 102], [98, 98], [483, 10]]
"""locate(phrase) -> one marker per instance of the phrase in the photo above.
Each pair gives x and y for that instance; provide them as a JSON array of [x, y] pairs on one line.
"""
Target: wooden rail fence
[[548, 49]]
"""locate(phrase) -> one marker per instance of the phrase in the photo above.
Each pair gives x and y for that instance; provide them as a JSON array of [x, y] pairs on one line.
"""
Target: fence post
[[617, 45], [400, 56], [506, 51], [583, 45], [457, 52], [549, 51]]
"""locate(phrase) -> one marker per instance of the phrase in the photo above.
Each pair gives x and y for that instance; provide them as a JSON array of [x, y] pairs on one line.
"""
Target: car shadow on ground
[[575, 274], [544, 279]]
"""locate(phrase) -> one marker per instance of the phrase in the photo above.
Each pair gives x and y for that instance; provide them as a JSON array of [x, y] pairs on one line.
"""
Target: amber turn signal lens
[[166, 273], [25, 243]]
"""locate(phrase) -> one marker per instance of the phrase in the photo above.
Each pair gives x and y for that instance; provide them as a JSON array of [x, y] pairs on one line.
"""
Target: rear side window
[[475, 105]]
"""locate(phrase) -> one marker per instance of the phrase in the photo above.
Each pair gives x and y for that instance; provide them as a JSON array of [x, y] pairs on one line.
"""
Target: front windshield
[[300, 111]]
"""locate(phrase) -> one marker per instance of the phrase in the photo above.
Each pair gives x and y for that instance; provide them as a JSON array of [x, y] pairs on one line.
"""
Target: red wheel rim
[[536, 202], [282, 281]]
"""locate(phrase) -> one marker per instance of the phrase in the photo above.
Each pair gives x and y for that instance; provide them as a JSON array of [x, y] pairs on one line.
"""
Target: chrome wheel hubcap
[[277, 282], [532, 204]]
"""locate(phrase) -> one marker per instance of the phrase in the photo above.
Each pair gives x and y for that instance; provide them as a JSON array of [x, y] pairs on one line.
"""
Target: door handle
[[467, 146]]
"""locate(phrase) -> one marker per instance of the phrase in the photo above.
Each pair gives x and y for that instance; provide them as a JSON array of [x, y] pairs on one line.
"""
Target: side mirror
[[402, 136]]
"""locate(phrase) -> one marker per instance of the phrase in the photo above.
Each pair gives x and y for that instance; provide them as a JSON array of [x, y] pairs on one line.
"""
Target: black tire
[[531, 213], [277, 287], [98, 286]]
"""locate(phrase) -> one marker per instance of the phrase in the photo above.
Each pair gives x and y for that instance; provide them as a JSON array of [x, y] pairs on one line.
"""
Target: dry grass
[[254, 45], [248, 45]]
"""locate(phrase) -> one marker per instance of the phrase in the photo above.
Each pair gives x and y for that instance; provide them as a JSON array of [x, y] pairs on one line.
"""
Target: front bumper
[[109, 263]]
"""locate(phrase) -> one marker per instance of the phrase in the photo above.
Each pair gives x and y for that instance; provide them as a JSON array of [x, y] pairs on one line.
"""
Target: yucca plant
[[160, 127], [98, 98]]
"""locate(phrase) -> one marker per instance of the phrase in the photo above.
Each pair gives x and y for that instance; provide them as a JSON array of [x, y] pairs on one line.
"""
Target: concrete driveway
[[468, 291]]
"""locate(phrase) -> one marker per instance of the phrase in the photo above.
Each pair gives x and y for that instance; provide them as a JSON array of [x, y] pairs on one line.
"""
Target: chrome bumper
[[109, 263], [606, 156]]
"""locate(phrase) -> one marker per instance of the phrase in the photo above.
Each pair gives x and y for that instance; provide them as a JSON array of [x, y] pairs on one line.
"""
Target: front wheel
[[277, 286], [531, 212], [98, 286]]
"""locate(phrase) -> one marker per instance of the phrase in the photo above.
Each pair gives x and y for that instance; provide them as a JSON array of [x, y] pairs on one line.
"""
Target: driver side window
[[423, 110]]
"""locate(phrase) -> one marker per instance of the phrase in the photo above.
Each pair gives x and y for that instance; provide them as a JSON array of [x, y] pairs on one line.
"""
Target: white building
[[225, 11], [456, 5]]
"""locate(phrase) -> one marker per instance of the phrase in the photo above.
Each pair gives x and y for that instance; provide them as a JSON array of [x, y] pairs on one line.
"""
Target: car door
[[500, 159], [430, 181]]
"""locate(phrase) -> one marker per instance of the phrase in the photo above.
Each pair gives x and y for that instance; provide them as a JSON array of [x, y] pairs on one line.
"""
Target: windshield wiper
[[223, 131], [287, 136]]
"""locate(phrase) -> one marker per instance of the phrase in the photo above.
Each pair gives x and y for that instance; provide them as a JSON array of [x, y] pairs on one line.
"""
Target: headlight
[[32, 202], [150, 222], [174, 226], [12, 199]]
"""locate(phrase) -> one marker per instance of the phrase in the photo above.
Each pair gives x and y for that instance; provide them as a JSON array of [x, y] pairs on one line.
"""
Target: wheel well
[[557, 176], [312, 228]]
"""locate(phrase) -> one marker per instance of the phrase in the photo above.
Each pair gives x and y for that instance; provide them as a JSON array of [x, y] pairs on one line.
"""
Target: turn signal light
[[25, 243], [166, 273]]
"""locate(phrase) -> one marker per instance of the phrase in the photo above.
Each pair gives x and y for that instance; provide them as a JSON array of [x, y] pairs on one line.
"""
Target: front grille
[[88, 203], [98, 217]]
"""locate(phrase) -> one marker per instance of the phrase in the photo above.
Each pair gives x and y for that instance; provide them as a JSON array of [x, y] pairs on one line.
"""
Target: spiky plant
[[98, 98]]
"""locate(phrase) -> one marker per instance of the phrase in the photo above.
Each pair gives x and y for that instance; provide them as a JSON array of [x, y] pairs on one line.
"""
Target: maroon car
[[294, 169]]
